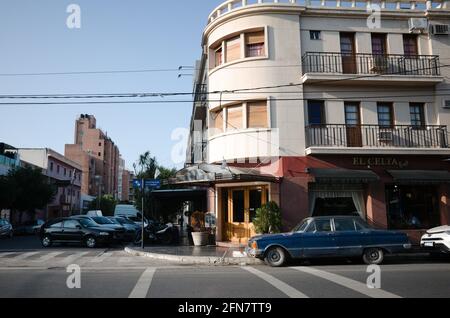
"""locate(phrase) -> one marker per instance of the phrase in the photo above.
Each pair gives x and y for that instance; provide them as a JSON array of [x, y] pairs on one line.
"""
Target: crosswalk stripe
[[24, 256], [48, 257], [72, 258], [101, 258], [275, 282], [143, 284], [6, 254], [347, 282]]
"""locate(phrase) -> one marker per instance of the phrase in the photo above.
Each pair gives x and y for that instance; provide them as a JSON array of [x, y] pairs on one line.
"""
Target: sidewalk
[[190, 255]]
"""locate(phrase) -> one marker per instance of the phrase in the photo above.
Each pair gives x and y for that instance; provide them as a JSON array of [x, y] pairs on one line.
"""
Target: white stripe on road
[[347, 282], [48, 257], [24, 256], [282, 286], [72, 258], [143, 284], [6, 254], [101, 258]]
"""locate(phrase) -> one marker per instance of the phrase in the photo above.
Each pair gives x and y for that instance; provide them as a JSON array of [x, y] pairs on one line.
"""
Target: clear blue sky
[[115, 35]]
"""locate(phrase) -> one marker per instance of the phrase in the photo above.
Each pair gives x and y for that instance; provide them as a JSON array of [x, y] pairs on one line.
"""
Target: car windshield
[[301, 227], [102, 220], [87, 223]]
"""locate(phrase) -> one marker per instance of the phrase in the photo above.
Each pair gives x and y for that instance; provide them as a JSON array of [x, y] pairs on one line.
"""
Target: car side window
[[344, 225], [311, 227], [2, 222], [320, 226], [56, 225], [71, 224]]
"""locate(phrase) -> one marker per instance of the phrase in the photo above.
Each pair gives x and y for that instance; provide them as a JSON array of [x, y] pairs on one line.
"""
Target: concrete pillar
[[294, 201], [376, 205]]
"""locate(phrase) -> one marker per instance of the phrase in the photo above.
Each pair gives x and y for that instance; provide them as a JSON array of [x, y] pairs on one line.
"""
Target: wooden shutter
[[257, 114], [234, 120], [233, 49], [218, 121], [255, 37]]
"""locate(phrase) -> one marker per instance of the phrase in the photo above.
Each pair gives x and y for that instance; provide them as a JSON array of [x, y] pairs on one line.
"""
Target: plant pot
[[200, 238]]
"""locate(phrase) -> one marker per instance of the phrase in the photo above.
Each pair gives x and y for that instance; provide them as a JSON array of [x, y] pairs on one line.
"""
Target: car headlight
[[103, 234], [254, 245]]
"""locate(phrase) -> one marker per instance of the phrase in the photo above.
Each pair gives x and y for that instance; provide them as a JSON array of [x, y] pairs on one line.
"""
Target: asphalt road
[[30, 272]]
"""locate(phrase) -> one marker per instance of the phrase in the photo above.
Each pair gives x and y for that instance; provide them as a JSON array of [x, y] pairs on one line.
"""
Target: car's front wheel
[[373, 256], [91, 242], [275, 257], [46, 241]]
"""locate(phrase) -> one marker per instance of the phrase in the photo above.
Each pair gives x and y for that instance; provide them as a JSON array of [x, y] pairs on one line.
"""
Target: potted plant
[[268, 219], [200, 235]]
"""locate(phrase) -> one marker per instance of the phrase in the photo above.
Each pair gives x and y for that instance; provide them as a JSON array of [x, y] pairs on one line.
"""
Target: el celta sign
[[380, 162]]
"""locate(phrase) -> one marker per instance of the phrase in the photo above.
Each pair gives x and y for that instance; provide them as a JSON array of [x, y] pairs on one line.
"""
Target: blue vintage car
[[337, 236]]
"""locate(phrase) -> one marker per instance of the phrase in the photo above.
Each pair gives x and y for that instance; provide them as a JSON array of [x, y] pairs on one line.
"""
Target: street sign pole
[[143, 223]]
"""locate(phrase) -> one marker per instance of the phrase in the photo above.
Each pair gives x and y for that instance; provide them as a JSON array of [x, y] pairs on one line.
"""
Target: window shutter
[[233, 49], [255, 37], [257, 114], [234, 120]]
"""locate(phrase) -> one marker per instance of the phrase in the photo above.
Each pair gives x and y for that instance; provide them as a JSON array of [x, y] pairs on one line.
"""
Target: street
[[32, 272]]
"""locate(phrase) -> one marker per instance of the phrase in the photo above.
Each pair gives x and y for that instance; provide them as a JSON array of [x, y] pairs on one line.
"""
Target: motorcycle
[[156, 232]]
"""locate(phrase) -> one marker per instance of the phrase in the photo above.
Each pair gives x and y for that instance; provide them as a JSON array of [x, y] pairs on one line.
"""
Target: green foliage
[[107, 205], [268, 219], [25, 190]]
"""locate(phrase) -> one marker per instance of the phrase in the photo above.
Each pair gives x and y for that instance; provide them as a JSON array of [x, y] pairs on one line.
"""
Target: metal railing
[[339, 135], [371, 64], [9, 162]]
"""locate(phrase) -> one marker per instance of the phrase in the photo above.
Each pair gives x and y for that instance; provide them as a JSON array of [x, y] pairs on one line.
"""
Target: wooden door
[[348, 53], [353, 124]]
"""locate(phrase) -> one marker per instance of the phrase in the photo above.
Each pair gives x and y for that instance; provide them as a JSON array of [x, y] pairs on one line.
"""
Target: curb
[[197, 260]]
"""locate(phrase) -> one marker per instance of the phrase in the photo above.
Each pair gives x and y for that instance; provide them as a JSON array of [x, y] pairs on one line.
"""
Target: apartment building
[[123, 182], [325, 107], [63, 173], [98, 156]]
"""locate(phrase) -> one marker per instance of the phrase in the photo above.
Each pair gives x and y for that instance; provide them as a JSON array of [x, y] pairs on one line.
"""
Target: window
[[233, 47], [316, 112], [257, 115], [385, 115], [410, 45], [412, 207], [315, 35], [99, 154], [56, 225], [352, 114], [417, 113], [217, 121], [320, 226], [65, 171], [51, 166], [70, 173], [218, 56], [379, 44], [254, 44], [99, 144], [57, 168], [71, 224], [344, 225], [234, 117]]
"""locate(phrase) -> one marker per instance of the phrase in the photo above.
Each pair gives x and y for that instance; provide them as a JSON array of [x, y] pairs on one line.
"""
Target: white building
[[324, 107]]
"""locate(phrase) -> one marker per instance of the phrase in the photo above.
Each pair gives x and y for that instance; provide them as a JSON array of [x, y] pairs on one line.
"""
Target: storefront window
[[335, 206], [412, 207]]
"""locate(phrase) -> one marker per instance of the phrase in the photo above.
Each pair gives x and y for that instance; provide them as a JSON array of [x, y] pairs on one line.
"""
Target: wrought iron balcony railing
[[371, 64], [374, 136]]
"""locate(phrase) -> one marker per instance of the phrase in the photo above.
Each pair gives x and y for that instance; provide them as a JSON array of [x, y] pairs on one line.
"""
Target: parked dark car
[[80, 231], [104, 222], [6, 229], [337, 236], [131, 228]]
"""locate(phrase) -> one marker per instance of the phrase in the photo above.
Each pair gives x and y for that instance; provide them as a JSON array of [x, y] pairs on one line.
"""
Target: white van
[[130, 212], [94, 213]]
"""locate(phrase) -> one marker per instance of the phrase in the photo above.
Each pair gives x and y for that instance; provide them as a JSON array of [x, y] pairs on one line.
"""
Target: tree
[[107, 205], [7, 192], [31, 190], [268, 219]]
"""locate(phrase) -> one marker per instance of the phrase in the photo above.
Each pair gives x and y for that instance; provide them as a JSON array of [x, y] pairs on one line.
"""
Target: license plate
[[429, 244]]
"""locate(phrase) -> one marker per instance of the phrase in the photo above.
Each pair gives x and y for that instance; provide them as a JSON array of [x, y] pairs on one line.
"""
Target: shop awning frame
[[343, 176], [420, 176]]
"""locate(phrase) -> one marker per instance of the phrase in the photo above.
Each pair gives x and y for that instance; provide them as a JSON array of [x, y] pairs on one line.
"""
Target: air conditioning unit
[[385, 136], [440, 29], [418, 24], [446, 104]]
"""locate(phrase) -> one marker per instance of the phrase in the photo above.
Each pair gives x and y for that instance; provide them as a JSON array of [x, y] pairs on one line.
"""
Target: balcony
[[333, 138], [330, 67]]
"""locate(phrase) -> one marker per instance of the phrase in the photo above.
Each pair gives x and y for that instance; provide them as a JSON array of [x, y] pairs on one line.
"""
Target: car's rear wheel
[[90, 242], [275, 257], [373, 256], [46, 241]]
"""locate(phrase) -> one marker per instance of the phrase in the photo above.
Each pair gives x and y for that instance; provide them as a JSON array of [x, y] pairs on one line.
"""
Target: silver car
[[6, 228]]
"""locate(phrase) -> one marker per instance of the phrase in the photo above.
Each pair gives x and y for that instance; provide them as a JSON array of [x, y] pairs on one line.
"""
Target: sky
[[114, 35]]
